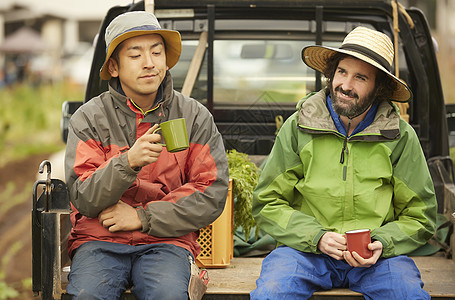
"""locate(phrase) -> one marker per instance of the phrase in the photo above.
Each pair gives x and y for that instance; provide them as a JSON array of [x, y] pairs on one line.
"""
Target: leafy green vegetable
[[245, 176]]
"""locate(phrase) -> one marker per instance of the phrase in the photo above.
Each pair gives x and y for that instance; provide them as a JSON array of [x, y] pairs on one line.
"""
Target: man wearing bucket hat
[[137, 207], [346, 161]]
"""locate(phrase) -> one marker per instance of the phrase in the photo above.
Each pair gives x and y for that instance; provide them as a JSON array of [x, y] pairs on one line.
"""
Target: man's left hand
[[355, 260], [120, 217]]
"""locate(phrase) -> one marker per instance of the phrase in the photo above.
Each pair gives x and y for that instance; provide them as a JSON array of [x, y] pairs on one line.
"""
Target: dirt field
[[15, 223]]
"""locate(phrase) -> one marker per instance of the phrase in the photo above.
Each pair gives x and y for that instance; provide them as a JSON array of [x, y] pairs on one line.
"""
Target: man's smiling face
[[352, 87], [141, 65]]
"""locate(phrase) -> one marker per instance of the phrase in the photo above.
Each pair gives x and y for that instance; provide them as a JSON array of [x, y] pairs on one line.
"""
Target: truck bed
[[236, 281], [239, 278]]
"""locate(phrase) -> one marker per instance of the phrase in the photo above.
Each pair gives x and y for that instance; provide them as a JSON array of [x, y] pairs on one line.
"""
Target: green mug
[[174, 134]]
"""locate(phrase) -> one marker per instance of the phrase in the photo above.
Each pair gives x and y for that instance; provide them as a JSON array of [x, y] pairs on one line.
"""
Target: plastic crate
[[216, 239]]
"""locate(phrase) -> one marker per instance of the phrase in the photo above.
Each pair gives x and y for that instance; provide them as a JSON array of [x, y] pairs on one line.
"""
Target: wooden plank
[[438, 275], [239, 278], [195, 65], [149, 6]]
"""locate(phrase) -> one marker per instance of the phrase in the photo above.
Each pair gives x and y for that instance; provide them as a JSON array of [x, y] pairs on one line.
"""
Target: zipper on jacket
[[345, 143], [345, 166], [161, 114], [345, 150], [345, 171]]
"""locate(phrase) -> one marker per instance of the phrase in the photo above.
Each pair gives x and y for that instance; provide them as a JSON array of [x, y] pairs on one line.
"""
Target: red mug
[[358, 241]]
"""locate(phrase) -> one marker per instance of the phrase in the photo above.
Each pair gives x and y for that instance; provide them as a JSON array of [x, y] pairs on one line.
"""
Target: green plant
[[7, 292], [245, 176], [30, 118], [11, 196]]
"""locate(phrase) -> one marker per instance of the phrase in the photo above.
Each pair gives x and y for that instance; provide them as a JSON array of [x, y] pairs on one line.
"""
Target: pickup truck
[[241, 58]]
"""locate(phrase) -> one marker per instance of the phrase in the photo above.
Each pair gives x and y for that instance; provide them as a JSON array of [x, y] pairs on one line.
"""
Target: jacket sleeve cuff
[[386, 250], [124, 158], [316, 240], [143, 217]]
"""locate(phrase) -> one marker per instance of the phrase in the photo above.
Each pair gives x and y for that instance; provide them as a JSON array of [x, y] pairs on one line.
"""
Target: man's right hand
[[333, 244], [145, 150]]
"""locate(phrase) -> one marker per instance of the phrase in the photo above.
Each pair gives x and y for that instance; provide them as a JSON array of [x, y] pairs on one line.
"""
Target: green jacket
[[383, 184]]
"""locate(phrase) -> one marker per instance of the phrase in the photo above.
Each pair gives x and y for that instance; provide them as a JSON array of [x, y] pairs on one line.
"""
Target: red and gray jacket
[[174, 197]]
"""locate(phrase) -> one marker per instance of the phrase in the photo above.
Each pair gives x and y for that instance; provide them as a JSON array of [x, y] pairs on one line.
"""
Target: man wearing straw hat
[[346, 161], [137, 208]]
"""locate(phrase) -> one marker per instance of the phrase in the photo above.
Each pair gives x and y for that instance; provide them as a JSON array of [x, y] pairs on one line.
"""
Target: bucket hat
[[135, 23], [366, 44]]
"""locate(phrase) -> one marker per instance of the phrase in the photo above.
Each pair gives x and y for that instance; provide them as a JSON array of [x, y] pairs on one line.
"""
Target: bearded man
[[346, 161]]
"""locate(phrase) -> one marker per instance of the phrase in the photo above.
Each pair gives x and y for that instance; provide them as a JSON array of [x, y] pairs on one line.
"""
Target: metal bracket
[[201, 25]]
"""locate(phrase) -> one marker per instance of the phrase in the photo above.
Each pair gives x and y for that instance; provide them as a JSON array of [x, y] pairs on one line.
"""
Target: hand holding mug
[[355, 260], [175, 135], [361, 252], [146, 149], [333, 244]]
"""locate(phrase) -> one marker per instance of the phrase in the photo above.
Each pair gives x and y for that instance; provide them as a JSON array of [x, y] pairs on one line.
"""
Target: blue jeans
[[290, 274], [103, 270]]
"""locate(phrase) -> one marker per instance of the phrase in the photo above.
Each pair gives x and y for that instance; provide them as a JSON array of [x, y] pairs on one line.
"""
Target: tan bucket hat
[[135, 23], [366, 44]]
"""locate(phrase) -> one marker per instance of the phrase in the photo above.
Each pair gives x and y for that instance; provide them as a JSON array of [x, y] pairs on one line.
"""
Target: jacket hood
[[314, 117]]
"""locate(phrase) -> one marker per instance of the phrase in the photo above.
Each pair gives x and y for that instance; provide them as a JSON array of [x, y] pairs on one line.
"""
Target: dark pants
[[290, 274], [102, 270]]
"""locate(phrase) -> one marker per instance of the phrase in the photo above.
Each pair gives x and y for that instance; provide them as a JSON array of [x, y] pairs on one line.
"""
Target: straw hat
[[135, 23], [369, 45]]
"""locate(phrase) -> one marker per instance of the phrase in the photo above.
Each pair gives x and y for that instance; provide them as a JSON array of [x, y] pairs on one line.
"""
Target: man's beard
[[352, 109]]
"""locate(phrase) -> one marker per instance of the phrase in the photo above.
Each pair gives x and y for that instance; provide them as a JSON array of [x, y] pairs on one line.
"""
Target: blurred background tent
[[21, 50], [23, 40]]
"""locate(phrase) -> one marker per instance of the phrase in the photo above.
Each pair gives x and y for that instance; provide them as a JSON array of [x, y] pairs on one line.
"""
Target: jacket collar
[[314, 117], [121, 100]]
